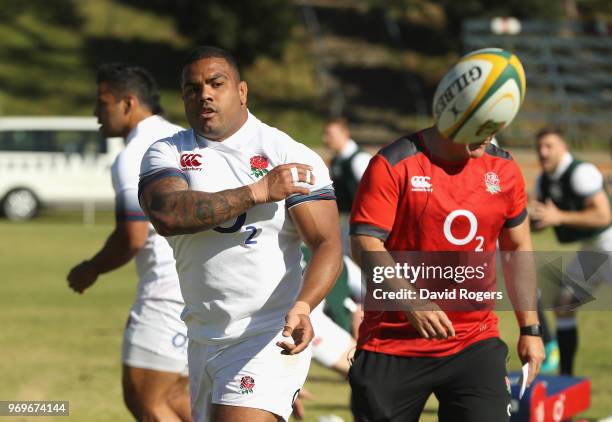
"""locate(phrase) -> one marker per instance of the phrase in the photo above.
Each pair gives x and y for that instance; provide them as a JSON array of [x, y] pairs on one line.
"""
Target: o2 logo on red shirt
[[471, 234]]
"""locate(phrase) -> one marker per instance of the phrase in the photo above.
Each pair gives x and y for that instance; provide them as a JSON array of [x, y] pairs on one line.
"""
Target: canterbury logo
[[421, 184], [191, 161]]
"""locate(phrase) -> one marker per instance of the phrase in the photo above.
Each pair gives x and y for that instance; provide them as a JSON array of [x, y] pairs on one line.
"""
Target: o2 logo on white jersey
[[240, 220], [471, 234]]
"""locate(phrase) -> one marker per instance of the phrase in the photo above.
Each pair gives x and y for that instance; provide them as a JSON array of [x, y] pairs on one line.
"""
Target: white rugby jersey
[[586, 181], [240, 278], [154, 262]]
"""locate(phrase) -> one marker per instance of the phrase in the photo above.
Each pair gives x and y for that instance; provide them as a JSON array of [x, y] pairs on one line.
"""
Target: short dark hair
[[123, 79], [340, 121], [549, 130], [207, 51]]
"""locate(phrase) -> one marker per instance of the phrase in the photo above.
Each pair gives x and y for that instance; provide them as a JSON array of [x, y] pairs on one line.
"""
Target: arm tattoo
[[186, 211]]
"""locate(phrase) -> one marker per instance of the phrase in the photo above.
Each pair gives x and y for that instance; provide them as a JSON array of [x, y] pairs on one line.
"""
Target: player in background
[[348, 164], [609, 175], [571, 198], [235, 198], [476, 190], [333, 346], [154, 342], [551, 348]]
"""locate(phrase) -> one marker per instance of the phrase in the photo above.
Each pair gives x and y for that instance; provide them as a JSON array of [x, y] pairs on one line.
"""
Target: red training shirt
[[415, 202]]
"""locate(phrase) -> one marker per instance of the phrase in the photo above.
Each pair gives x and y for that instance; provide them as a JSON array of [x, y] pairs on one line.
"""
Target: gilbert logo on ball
[[479, 96]]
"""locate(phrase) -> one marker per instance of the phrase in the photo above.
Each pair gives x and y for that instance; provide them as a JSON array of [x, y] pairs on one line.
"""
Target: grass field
[[57, 345]]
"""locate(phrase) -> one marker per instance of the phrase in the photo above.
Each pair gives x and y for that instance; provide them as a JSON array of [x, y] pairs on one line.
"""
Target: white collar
[[236, 140], [349, 149], [143, 125], [563, 165]]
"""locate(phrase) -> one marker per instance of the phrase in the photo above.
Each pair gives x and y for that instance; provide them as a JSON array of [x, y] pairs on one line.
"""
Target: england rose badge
[[259, 165]]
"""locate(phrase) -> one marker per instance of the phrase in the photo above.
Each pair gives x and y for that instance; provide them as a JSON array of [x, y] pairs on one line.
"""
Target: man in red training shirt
[[425, 193]]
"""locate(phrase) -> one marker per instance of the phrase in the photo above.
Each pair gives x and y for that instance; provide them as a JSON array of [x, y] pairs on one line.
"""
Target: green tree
[[62, 12], [247, 28]]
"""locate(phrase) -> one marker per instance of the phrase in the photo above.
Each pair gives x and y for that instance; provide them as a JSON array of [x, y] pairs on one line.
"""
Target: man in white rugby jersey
[[235, 198], [154, 344]]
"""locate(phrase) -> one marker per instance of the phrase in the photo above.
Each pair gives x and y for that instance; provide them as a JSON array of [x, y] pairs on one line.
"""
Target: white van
[[52, 161]]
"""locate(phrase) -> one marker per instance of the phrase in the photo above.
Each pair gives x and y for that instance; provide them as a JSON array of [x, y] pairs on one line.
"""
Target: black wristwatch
[[532, 330]]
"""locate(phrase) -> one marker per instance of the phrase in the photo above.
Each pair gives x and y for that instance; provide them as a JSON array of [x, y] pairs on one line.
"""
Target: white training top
[[154, 262], [360, 162], [586, 179], [241, 278]]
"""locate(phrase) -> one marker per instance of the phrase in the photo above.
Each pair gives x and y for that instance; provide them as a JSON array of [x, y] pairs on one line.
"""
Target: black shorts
[[471, 385]]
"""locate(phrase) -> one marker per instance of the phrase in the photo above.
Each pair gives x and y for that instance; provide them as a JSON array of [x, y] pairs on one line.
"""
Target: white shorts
[[250, 373], [155, 337], [331, 341]]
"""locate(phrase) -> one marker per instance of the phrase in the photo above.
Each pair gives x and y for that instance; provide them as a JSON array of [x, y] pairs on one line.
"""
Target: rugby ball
[[479, 96]]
